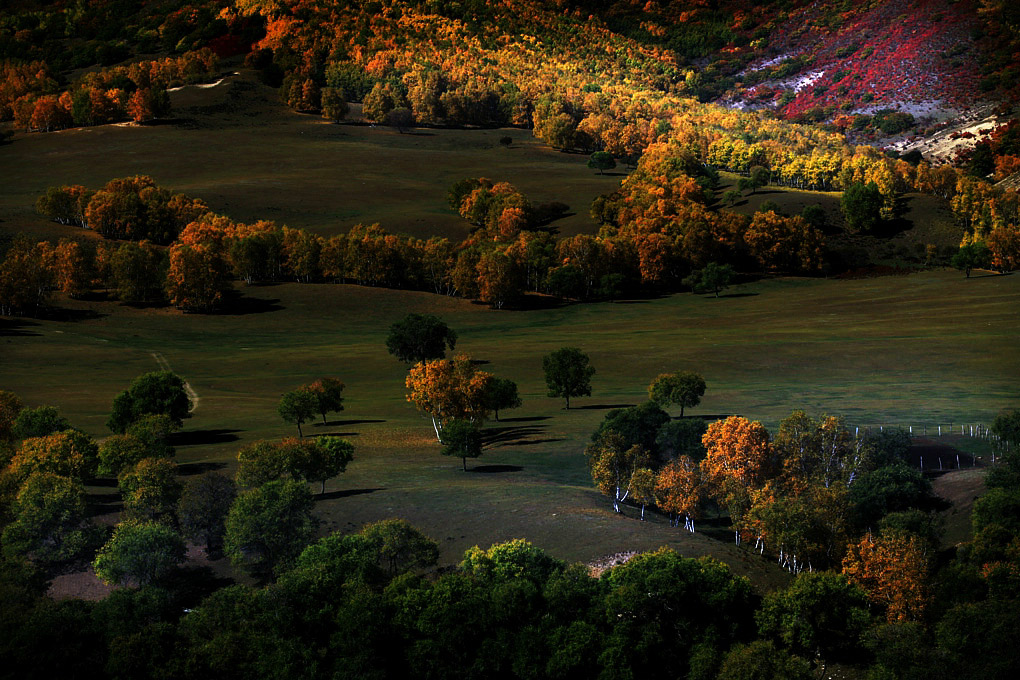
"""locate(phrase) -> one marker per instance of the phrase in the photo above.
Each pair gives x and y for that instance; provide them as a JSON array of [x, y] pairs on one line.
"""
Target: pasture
[[928, 347]]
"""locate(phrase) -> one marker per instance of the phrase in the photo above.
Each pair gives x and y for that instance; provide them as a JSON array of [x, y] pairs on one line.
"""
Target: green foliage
[[329, 396], [50, 523], [568, 373], [888, 489], [463, 439], [156, 393], [39, 422], [267, 527], [972, 256], [684, 389], [323, 459], [634, 424], [420, 337], [151, 491], [861, 205], [681, 438], [821, 613], [139, 552], [263, 461], [120, 452], [400, 546], [10, 407], [298, 407], [202, 510], [713, 278], [887, 446], [516, 559], [70, 454], [501, 394], [601, 161], [761, 660]]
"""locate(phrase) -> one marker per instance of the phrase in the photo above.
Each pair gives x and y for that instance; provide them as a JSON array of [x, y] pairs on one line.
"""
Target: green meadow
[[923, 348]]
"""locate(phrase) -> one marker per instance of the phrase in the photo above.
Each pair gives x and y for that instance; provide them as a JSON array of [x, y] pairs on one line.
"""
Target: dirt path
[[165, 365]]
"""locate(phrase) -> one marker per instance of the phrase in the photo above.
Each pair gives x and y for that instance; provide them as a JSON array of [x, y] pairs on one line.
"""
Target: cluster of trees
[[323, 396]]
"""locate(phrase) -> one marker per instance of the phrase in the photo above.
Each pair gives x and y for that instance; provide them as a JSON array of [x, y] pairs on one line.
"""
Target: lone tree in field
[[972, 256], [159, 392], [420, 337], [500, 393], [601, 161], [685, 389], [714, 277], [461, 438], [298, 407], [567, 373], [862, 207], [329, 396]]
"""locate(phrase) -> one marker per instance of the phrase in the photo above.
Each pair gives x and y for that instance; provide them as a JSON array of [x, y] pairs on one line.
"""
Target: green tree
[[329, 396], [334, 104], [202, 510], [820, 614], [10, 407], [684, 389], [154, 431], [420, 337], [151, 490], [159, 392], [612, 463], [972, 256], [760, 660], [298, 407], [400, 546], [463, 439], [325, 458], [568, 373], [39, 422], [50, 522], [601, 161], [862, 205], [681, 438], [759, 177], [120, 452], [714, 277], [501, 393], [264, 461], [634, 424], [139, 552], [269, 526]]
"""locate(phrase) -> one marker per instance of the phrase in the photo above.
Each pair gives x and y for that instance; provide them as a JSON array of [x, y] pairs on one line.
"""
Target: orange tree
[[445, 389]]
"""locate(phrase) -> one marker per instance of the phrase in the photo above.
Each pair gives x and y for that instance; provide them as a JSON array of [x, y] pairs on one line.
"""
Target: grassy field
[[875, 350], [925, 348], [249, 157]]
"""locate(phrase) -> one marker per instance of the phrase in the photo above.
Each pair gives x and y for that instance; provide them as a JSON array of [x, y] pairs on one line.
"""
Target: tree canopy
[[420, 337], [568, 373], [684, 389], [156, 393]]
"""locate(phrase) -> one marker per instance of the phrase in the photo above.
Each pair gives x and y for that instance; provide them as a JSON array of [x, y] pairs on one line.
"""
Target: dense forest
[[705, 104]]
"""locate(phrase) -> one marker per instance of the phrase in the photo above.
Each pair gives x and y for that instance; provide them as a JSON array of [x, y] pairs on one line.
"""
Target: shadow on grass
[[495, 469], [191, 469], [73, 315], [338, 423], [198, 437], [533, 442], [529, 419], [193, 584], [103, 503], [506, 435], [15, 328], [534, 301], [601, 407], [737, 295], [346, 493], [989, 275], [241, 305]]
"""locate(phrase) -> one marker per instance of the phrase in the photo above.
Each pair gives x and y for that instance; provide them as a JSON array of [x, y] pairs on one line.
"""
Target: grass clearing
[[874, 350]]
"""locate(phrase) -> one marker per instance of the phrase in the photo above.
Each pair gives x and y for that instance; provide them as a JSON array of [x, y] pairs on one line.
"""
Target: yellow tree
[[892, 570], [613, 464], [679, 491], [196, 278], [739, 459], [447, 389]]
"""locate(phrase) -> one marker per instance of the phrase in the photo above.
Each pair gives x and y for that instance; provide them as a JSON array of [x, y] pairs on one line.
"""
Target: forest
[[691, 276]]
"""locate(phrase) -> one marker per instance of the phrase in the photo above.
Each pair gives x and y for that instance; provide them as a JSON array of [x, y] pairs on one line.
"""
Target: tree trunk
[[463, 462], [435, 425], [324, 418], [323, 491], [299, 433]]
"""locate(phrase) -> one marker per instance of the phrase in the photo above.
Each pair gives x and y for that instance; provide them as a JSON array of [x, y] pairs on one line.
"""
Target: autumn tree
[[568, 374], [334, 104], [203, 507], [138, 272], [679, 491], [69, 453], [684, 389], [892, 569], [642, 488], [738, 459], [196, 278], [298, 407], [121, 452], [155, 393], [142, 553], [448, 389], [420, 337]]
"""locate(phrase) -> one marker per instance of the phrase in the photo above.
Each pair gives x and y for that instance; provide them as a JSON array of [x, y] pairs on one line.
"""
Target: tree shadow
[[346, 493], [72, 315], [534, 442], [988, 275], [736, 295], [534, 302], [15, 328], [339, 423], [103, 503], [337, 434], [103, 482], [198, 437], [529, 419], [480, 362], [192, 469], [601, 407], [505, 436], [242, 305], [495, 469], [193, 584]]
